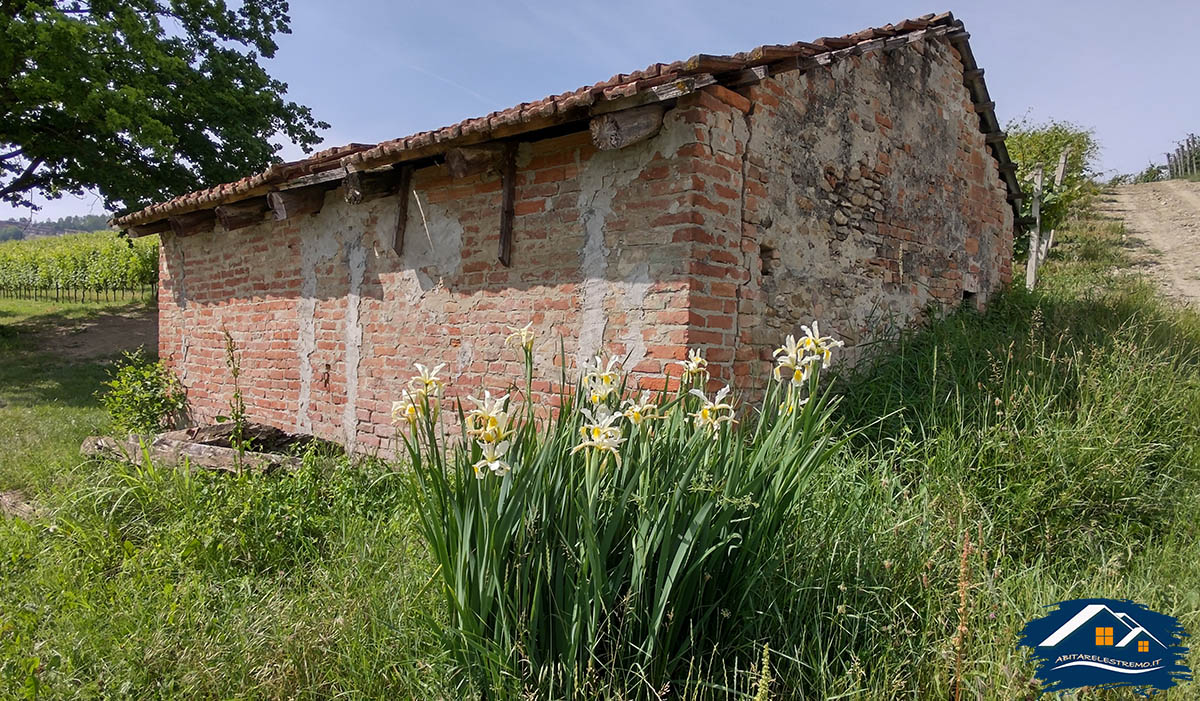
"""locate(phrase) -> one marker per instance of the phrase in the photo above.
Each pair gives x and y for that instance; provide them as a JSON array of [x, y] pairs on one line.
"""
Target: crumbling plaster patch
[[600, 178], [318, 245], [357, 259], [432, 245]]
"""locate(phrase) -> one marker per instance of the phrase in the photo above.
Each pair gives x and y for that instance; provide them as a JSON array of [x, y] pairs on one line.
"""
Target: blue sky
[[376, 70]]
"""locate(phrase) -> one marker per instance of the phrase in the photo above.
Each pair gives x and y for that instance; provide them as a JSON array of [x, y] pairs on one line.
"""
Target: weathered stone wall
[[329, 321], [860, 193]]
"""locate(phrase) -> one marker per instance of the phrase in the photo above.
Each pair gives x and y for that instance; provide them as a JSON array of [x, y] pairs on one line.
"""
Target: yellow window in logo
[[1143, 646], [1104, 636]]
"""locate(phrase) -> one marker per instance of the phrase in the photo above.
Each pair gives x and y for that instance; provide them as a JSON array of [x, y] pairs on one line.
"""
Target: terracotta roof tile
[[528, 113]]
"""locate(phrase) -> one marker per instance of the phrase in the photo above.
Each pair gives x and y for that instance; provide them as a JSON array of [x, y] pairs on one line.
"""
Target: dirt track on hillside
[[1164, 220]]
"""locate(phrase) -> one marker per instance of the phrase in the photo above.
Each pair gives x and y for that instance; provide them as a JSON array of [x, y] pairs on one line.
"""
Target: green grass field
[[1047, 449]]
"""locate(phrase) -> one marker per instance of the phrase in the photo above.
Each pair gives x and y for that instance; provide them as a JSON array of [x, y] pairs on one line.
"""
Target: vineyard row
[[79, 266]]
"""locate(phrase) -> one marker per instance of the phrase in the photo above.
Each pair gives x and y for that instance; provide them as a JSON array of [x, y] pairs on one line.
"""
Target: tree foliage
[[140, 99], [1041, 144], [82, 222]]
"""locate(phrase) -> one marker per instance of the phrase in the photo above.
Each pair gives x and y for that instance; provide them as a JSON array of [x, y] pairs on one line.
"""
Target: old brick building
[[713, 203]]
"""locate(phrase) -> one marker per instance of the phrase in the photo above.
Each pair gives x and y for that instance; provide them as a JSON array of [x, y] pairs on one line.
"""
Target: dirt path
[[1165, 218], [102, 336]]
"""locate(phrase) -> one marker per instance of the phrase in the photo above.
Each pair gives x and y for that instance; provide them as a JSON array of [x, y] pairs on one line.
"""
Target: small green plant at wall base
[[142, 395], [237, 407]]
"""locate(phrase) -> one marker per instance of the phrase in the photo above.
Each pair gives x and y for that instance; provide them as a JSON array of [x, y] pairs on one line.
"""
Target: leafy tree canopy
[[1041, 144], [140, 99]]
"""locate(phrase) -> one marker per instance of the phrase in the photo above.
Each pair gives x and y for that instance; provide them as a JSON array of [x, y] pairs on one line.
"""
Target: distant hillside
[[15, 229]]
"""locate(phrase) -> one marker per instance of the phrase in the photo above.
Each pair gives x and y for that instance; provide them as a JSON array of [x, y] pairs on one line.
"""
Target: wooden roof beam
[[468, 160], [237, 215], [295, 202], [154, 227], [192, 223], [364, 186], [616, 130]]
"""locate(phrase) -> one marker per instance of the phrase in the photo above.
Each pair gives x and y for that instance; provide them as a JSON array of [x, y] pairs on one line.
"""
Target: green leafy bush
[[1152, 174], [1032, 145], [250, 523], [142, 395]]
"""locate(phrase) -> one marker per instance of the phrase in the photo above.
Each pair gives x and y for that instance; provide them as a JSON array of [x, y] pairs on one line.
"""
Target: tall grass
[[1059, 432], [149, 582]]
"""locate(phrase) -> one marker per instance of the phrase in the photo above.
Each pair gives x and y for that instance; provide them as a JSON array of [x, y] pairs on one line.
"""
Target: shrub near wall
[[142, 395], [75, 266]]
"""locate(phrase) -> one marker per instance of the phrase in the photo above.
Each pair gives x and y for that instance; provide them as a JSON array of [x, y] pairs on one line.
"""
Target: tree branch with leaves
[[141, 100], [1040, 145]]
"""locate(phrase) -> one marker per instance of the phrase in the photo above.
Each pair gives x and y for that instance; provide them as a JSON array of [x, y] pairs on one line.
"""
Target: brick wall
[[329, 320], [858, 193]]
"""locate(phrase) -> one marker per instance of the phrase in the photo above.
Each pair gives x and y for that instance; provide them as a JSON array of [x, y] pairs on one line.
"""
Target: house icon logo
[[1106, 643]]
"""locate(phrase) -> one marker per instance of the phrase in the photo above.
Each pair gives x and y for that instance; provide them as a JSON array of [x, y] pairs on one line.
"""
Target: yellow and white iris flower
[[488, 421], [599, 433], [427, 382], [492, 459], [521, 338], [712, 414], [820, 346], [640, 410], [600, 380], [694, 366], [406, 409]]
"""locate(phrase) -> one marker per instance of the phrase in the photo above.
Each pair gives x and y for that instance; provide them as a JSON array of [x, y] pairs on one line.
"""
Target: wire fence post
[[1035, 234]]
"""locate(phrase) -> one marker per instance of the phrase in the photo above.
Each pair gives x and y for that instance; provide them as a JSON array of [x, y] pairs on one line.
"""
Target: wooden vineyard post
[[1035, 233], [1059, 174]]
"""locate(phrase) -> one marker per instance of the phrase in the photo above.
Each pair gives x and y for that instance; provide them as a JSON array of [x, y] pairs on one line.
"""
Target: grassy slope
[[46, 403], [1067, 448], [1061, 430]]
